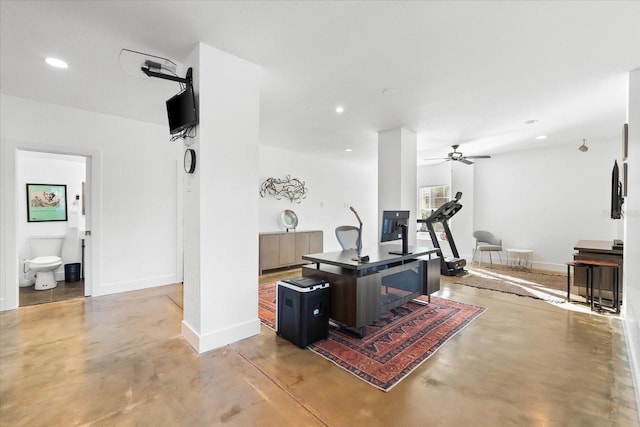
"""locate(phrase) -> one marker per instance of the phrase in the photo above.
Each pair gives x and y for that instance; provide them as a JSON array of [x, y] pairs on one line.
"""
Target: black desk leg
[[616, 300], [599, 288], [568, 283], [82, 265], [590, 284]]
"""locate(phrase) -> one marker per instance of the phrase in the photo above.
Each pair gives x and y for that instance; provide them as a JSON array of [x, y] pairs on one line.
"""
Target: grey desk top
[[377, 256]]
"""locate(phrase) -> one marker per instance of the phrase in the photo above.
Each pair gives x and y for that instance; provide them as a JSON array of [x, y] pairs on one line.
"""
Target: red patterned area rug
[[393, 346]]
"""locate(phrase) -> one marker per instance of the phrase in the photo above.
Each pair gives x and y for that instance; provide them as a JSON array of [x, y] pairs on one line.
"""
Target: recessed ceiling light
[[530, 122], [541, 137], [57, 63], [348, 150], [339, 109]]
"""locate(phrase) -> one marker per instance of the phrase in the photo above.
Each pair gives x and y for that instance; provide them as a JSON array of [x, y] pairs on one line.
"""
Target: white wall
[[438, 174], [548, 199], [332, 186], [134, 223], [545, 199], [631, 286], [39, 168]]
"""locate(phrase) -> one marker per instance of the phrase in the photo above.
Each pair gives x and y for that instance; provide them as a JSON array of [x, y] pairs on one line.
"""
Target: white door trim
[[10, 299]]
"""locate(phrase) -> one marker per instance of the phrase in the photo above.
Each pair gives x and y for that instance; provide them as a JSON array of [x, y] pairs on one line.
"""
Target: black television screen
[[391, 221], [182, 111], [616, 193]]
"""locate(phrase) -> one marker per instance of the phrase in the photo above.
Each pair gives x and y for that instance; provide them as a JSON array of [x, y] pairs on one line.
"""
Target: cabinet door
[[302, 246], [315, 242], [269, 251], [432, 273], [287, 248]]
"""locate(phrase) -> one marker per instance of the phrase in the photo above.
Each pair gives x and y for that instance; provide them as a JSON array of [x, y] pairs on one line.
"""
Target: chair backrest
[[486, 237], [347, 236]]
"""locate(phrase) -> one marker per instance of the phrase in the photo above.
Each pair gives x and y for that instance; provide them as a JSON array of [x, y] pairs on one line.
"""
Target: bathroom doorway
[[73, 172]]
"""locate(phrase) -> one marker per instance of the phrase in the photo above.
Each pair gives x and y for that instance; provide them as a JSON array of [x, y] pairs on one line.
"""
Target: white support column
[[397, 175], [221, 203], [631, 207]]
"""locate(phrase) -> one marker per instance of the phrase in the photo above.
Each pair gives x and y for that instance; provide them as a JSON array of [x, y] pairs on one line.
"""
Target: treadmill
[[448, 266]]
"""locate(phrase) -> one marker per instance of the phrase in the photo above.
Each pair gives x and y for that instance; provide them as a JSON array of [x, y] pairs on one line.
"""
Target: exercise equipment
[[448, 266]]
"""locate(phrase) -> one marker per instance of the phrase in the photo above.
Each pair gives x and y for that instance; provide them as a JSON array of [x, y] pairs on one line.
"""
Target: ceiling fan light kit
[[457, 156]]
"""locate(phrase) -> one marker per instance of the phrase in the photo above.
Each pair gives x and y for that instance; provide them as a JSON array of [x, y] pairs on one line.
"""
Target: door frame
[[11, 262]]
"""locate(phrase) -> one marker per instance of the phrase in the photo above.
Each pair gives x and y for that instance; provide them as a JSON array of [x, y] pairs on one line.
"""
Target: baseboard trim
[[549, 266], [634, 356], [221, 337], [503, 260], [115, 288], [192, 337]]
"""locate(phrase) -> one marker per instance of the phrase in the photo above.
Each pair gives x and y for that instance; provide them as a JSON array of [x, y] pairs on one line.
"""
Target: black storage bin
[[72, 272], [302, 310]]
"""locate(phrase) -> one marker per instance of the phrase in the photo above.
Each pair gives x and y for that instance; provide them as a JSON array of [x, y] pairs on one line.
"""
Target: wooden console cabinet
[[285, 249]]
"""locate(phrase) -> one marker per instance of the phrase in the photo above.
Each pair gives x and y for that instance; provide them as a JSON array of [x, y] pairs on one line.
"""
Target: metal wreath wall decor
[[291, 188]]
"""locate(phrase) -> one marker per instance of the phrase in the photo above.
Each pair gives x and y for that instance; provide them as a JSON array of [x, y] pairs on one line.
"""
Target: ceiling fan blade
[[465, 161], [477, 157], [439, 158]]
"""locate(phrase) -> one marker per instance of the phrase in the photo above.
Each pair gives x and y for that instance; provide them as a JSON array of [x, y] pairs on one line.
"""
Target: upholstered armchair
[[486, 242]]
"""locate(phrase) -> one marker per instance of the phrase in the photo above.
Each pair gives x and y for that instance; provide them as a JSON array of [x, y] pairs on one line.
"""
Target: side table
[[590, 264], [520, 258]]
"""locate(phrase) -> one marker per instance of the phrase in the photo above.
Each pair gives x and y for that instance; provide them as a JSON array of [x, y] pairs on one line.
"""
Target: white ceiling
[[468, 73]]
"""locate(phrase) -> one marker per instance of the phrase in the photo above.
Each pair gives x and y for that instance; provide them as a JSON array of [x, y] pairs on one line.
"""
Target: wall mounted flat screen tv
[[182, 111], [616, 193], [391, 221]]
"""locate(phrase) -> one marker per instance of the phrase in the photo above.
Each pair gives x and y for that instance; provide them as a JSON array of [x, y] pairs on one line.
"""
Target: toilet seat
[[45, 262]]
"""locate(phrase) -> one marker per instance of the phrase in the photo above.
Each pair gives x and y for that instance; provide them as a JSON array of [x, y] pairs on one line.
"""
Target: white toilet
[[45, 252]]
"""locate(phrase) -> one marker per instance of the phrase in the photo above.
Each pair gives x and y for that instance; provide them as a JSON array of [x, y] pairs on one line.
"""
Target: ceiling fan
[[459, 157]]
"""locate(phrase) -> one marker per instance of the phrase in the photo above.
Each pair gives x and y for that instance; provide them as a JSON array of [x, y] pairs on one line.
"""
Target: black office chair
[[347, 236]]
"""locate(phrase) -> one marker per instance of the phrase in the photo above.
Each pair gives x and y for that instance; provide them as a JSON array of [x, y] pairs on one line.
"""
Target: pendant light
[[584, 147]]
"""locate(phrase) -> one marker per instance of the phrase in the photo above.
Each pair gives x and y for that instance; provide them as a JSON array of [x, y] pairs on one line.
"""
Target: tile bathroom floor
[[64, 291]]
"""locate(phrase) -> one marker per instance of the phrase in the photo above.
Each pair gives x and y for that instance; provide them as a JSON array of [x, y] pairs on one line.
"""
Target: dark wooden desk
[[599, 250], [362, 291]]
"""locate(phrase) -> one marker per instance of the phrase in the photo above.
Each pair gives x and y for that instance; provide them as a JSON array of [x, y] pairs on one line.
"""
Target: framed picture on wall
[[46, 202]]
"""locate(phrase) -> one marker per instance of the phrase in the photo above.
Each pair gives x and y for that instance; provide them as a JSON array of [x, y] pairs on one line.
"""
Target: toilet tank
[[46, 245]]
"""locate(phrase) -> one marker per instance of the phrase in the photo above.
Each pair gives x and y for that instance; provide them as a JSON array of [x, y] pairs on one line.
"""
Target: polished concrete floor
[[120, 360]]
